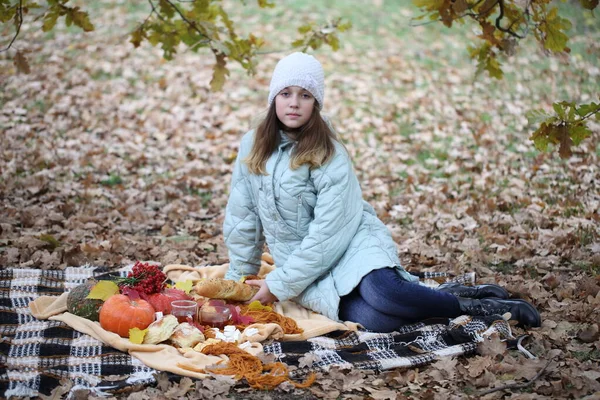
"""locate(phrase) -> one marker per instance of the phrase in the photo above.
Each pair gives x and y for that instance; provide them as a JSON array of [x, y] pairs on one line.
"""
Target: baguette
[[225, 289]]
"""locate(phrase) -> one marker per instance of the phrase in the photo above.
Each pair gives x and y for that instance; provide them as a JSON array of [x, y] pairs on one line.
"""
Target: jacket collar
[[285, 140]]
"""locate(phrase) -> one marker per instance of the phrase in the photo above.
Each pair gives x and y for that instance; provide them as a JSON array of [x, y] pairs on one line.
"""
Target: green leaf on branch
[[81, 19], [541, 137], [305, 28], [535, 117], [566, 128], [166, 9], [50, 20], [559, 109], [429, 5], [137, 36], [194, 23], [486, 60], [315, 36], [586, 109], [579, 132], [334, 42], [220, 73], [7, 12], [265, 4], [554, 27]]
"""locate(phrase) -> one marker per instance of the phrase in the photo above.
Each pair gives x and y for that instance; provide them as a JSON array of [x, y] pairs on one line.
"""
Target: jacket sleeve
[[337, 217], [242, 229]]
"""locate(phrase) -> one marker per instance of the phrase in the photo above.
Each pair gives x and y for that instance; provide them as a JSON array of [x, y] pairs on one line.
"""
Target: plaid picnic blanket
[[35, 356]]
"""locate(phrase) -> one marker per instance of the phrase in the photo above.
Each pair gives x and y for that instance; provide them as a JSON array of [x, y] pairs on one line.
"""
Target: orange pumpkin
[[119, 314]]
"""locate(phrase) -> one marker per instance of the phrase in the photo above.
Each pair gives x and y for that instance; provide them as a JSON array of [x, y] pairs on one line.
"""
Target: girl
[[293, 185]]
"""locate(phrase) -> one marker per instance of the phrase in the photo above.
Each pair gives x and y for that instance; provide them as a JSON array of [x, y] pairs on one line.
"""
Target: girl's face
[[294, 106]]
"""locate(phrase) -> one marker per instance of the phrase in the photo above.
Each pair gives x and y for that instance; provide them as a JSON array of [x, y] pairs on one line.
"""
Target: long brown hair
[[315, 144]]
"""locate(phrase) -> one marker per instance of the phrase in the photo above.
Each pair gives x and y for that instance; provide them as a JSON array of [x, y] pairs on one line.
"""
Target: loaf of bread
[[225, 289]]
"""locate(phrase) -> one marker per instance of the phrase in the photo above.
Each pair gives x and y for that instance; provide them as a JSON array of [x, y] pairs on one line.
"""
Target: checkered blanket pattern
[[36, 355], [412, 346]]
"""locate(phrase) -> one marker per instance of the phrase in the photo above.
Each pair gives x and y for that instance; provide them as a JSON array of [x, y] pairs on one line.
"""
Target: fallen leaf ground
[[111, 155]]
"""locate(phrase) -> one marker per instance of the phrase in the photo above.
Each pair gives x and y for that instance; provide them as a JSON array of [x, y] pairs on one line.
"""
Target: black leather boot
[[520, 310], [474, 292]]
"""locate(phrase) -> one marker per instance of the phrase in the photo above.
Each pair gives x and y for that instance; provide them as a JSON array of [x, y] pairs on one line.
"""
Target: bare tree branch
[[19, 17], [499, 25], [190, 23]]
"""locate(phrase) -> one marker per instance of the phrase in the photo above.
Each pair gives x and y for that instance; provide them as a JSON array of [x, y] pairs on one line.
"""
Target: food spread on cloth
[[146, 309]]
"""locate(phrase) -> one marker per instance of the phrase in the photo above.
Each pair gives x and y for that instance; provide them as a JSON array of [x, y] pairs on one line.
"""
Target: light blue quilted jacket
[[322, 235]]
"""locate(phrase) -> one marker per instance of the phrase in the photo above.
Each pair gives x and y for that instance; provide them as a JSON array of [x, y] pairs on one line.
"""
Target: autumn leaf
[[136, 335], [265, 3], [429, 5], [21, 63], [556, 39], [492, 346], [257, 306], [220, 72], [459, 6], [131, 293], [186, 286], [535, 117], [50, 19], [565, 142], [103, 290], [137, 36], [51, 240], [82, 20], [180, 390]]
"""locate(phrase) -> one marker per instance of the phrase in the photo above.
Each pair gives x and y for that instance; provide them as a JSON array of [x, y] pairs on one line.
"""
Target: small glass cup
[[215, 316], [184, 309]]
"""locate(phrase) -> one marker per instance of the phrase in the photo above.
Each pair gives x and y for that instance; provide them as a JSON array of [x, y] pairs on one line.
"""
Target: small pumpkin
[[162, 301], [119, 314], [80, 305]]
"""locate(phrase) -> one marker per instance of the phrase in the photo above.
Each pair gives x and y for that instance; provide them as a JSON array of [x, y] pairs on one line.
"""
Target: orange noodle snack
[[244, 365], [288, 325]]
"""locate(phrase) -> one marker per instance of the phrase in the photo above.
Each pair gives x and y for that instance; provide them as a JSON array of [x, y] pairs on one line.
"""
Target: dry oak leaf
[[181, 389], [353, 380], [382, 394], [307, 360], [447, 366], [478, 365], [491, 346], [590, 334], [486, 380], [220, 384]]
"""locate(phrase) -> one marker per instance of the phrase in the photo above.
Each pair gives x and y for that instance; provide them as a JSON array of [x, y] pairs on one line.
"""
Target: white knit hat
[[299, 69]]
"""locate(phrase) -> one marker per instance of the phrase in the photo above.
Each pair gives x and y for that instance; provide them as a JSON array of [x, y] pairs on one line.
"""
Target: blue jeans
[[383, 302]]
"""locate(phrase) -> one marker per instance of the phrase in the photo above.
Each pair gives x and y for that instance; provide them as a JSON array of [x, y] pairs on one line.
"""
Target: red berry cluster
[[146, 278]]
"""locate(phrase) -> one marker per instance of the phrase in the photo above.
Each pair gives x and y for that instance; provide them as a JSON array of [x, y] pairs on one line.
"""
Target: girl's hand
[[263, 295]]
